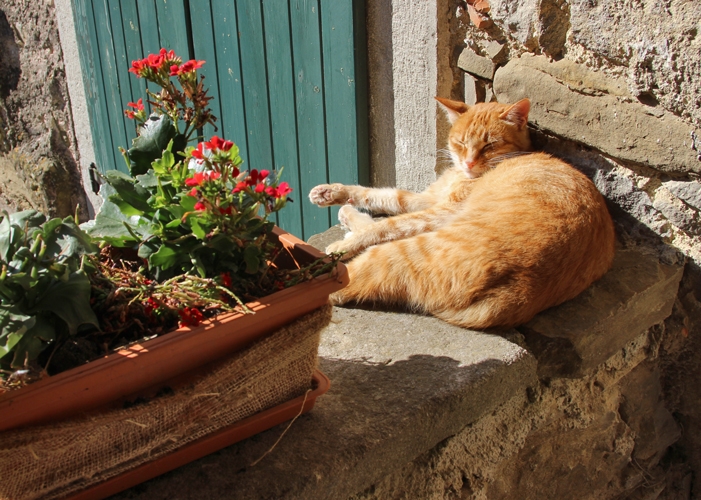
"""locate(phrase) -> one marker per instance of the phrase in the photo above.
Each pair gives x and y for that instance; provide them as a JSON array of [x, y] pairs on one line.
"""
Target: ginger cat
[[502, 235]]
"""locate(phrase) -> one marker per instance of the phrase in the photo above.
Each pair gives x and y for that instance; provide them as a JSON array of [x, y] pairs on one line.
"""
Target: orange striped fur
[[502, 235]]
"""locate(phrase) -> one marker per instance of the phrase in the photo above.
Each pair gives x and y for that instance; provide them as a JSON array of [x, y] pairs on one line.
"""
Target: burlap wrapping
[[52, 461]]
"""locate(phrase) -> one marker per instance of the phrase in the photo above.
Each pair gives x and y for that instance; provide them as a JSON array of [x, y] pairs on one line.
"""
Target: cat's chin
[[471, 174]]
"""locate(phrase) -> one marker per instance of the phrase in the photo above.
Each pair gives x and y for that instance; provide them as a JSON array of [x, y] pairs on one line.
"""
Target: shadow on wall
[[9, 58]]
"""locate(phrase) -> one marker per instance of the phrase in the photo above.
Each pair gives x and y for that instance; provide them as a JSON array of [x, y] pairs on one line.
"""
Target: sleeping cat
[[502, 235]]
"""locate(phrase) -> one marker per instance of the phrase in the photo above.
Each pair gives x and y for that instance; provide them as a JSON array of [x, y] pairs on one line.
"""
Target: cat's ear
[[452, 109], [517, 113]]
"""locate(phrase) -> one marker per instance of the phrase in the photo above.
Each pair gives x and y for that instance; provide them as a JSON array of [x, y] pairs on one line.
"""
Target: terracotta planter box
[[147, 366], [209, 444]]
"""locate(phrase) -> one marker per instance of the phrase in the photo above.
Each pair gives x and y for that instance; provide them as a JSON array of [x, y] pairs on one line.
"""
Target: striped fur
[[502, 235]]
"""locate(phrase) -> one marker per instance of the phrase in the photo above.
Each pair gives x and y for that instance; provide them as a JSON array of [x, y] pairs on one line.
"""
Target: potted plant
[[184, 240]]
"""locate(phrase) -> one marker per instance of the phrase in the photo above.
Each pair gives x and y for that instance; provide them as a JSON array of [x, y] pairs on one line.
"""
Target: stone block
[[570, 339], [475, 64], [689, 192], [496, 51], [474, 90], [642, 408], [579, 105]]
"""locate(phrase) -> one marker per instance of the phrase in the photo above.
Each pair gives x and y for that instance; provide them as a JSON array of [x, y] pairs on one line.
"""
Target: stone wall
[[615, 89], [38, 167]]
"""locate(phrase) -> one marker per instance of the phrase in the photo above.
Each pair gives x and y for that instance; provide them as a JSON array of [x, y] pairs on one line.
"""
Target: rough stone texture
[[476, 65], [401, 383], [624, 130], [689, 192], [575, 337], [35, 118], [653, 44], [567, 439], [636, 57]]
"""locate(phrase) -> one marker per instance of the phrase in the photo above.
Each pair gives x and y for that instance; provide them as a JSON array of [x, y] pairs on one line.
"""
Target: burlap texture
[[52, 461]]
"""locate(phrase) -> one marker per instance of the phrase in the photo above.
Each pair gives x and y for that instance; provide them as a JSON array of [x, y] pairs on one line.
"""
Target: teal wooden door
[[288, 78]]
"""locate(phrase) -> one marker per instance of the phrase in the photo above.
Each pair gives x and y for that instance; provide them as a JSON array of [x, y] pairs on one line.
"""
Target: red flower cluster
[[138, 106], [155, 63], [215, 143], [150, 306], [186, 67], [283, 189], [254, 178], [201, 177], [190, 316]]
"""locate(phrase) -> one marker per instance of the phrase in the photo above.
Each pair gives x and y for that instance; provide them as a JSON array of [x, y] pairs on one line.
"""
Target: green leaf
[[163, 165], [148, 146], [33, 342], [148, 180], [197, 229], [251, 256], [64, 239], [165, 257], [6, 237], [188, 203], [128, 190], [108, 224], [30, 218], [13, 325], [70, 301]]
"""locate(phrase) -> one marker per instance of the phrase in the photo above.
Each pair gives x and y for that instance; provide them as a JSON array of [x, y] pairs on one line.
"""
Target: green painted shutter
[[288, 79]]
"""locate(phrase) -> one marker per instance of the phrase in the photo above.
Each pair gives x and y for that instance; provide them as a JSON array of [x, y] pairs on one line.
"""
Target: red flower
[[154, 61], [196, 179], [241, 186], [150, 306], [198, 152], [193, 191], [226, 211], [263, 174], [191, 65], [283, 189], [138, 67], [220, 144], [201, 207], [138, 105], [226, 279], [260, 188], [236, 172], [174, 70], [130, 114], [271, 191], [252, 178], [190, 316]]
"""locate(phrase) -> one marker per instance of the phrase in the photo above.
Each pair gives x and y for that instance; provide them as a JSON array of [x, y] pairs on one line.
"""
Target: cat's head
[[483, 134]]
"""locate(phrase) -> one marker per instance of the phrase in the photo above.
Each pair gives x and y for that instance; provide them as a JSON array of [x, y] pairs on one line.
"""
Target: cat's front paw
[[326, 195]]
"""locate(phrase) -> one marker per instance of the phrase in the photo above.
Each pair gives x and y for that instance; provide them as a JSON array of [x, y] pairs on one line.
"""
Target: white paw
[[345, 213], [326, 195]]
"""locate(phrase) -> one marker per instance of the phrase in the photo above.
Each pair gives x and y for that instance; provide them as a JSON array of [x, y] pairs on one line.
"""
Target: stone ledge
[[575, 337], [401, 383]]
